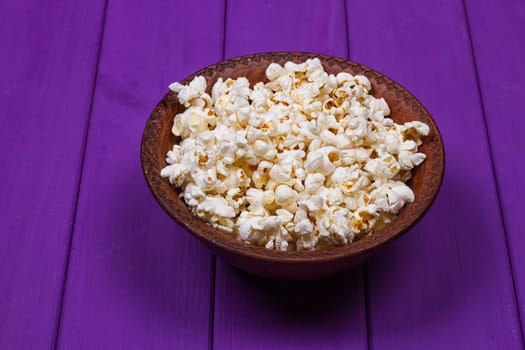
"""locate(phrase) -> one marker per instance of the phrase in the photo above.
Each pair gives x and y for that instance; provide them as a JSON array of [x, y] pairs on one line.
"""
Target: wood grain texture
[[47, 68], [446, 284], [497, 29], [253, 313], [136, 279], [291, 25]]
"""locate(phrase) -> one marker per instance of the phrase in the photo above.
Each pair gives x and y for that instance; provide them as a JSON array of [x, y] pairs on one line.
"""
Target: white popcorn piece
[[343, 77], [391, 197], [312, 203], [334, 226], [193, 195], [313, 182], [303, 225], [409, 160], [284, 195], [279, 175], [284, 215], [175, 174], [318, 161], [403, 191], [307, 242], [254, 228], [363, 82], [215, 206], [274, 71], [392, 142], [363, 219], [382, 168], [412, 131], [192, 122], [335, 196], [192, 91], [380, 105], [306, 160]]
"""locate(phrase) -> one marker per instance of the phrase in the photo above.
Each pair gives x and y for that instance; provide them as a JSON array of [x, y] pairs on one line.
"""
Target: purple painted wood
[[289, 25], [497, 29], [447, 284], [47, 67], [137, 280], [253, 313]]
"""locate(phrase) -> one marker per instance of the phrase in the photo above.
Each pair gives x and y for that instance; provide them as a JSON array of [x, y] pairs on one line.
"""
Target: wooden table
[[88, 260]]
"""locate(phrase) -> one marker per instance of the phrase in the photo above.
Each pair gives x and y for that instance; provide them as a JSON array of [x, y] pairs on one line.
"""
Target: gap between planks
[[87, 127], [211, 327], [493, 168]]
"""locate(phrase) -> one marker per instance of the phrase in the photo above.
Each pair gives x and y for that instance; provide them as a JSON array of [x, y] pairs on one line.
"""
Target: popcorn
[[284, 195], [280, 175], [313, 182], [312, 204], [216, 206], [303, 225], [409, 160], [334, 226], [304, 161]]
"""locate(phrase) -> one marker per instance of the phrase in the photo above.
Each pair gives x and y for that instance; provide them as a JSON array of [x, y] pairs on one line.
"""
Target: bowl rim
[[367, 244]]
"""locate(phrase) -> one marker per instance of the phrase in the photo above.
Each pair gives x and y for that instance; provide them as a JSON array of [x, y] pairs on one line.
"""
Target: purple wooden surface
[[137, 280], [497, 29], [253, 313], [47, 70], [447, 283]]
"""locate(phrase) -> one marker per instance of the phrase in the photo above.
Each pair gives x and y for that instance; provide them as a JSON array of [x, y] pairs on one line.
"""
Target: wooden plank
[[497, 29], [253, 313], [136, 279], [285, 26], [446, 284], [47, 67]]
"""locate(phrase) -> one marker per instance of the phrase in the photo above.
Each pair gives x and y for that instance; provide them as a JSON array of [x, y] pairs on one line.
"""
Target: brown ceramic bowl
[[426, 181]]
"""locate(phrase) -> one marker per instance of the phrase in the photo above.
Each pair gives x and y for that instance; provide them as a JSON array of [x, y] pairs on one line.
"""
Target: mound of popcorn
[[305, 161]]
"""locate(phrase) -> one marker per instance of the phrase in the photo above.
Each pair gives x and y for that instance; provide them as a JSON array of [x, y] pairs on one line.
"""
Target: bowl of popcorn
[[292, 165]]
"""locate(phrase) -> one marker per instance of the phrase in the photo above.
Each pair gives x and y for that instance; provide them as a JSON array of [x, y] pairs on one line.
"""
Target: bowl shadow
[[446, 270], [301, 302]]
